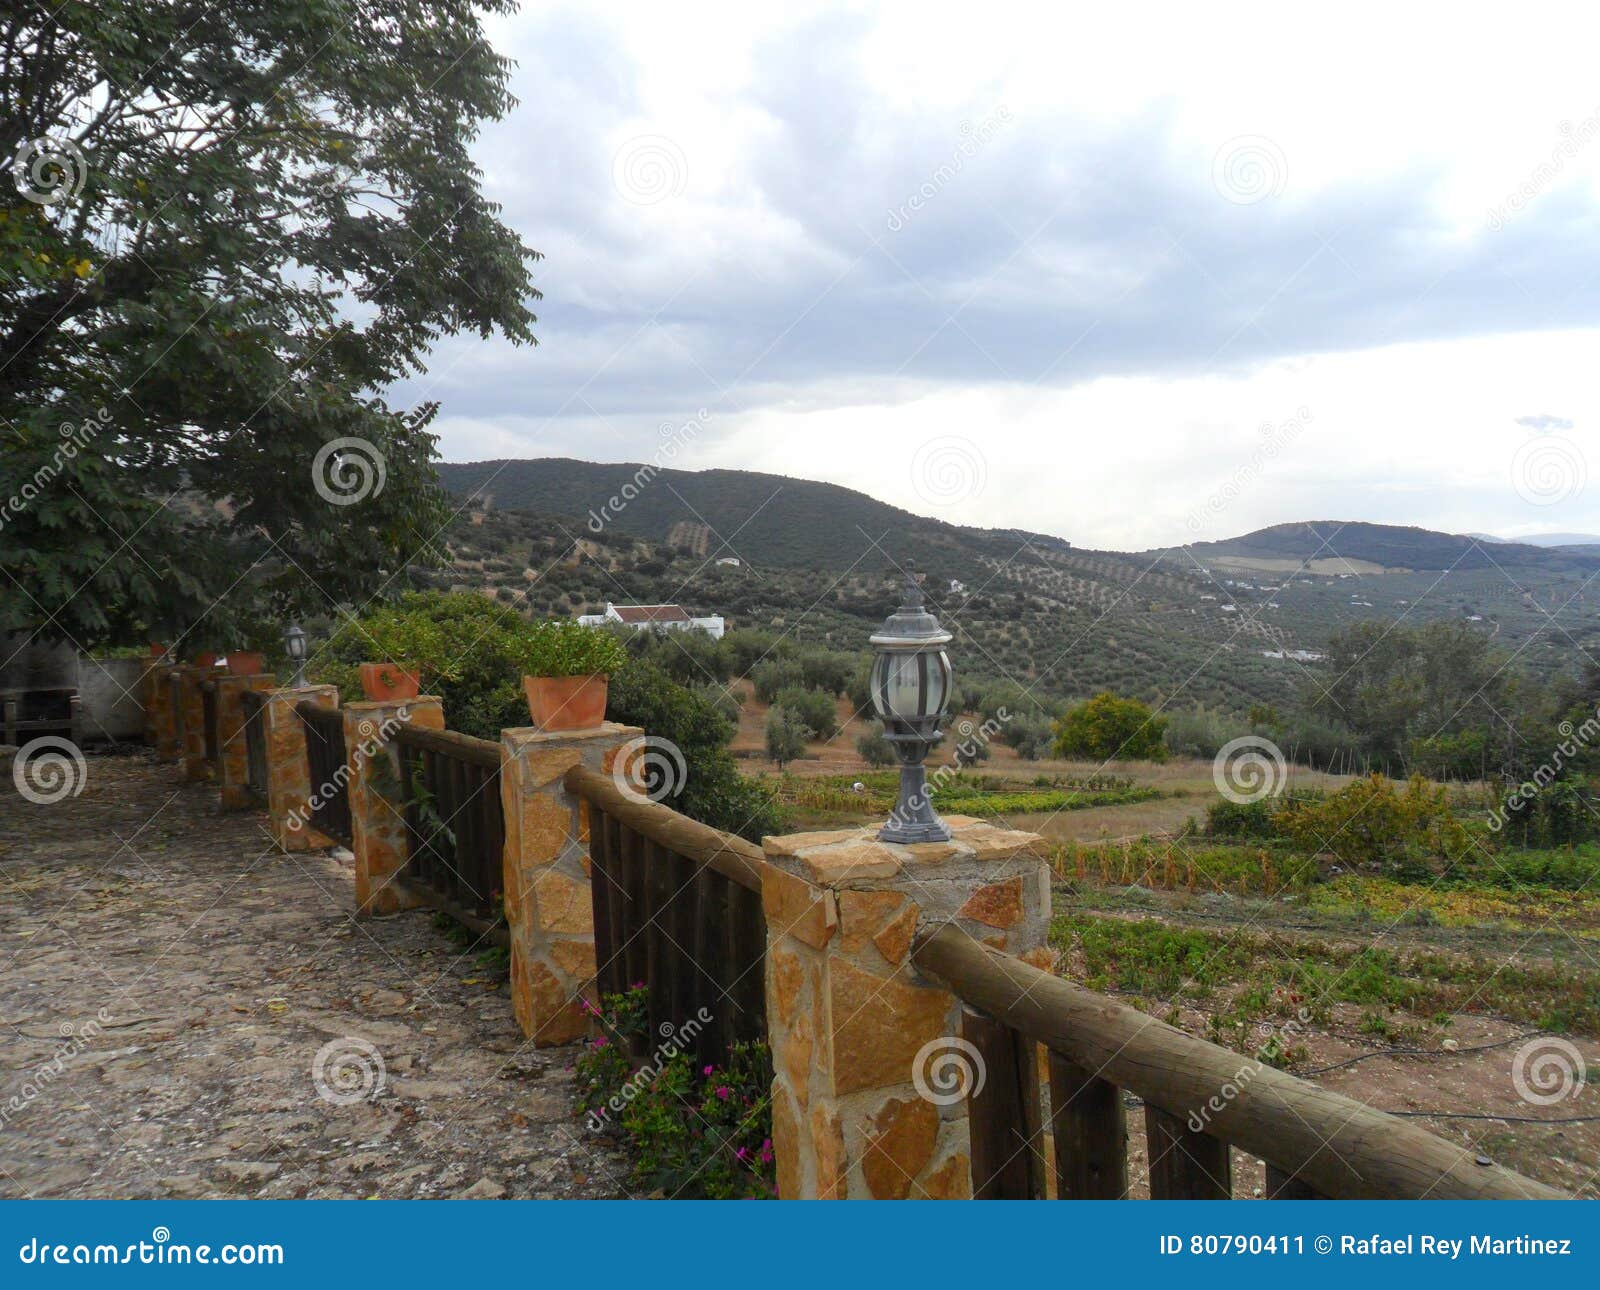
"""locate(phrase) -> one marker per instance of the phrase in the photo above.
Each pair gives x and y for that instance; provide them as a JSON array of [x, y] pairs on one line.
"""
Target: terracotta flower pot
[[389, 681], [567, 702], [246, 663]]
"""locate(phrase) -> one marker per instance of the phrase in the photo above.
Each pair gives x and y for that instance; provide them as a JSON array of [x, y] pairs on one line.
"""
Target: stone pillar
[[548, 900], [192, 721], [859, 1037], [288, 777], [377, 819], [233, 761], [162, 714]]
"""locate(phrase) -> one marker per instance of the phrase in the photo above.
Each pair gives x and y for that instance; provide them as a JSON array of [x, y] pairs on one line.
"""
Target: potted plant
[[246, 662], [566, 670], [389, 681]]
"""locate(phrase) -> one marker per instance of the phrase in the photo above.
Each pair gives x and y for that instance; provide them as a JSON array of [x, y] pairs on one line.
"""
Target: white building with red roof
[[660, 618]]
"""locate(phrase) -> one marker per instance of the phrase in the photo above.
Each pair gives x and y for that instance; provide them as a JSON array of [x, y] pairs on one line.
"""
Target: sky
[[1130, 275]]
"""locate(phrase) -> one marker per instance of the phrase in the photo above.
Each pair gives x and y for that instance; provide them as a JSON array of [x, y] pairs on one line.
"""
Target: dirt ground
[[169, 981]]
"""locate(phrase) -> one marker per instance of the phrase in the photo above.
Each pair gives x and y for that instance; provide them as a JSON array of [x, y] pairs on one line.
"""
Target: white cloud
[[1075, 295]]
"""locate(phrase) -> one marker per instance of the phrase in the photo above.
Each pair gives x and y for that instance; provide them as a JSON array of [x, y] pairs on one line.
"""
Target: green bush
[[563, 647], [828, 672], [1412, 831], [786, 736], [1226, 819], [691, 1131], [814, 709], [1108, 727], [775, 675], [874, 748]]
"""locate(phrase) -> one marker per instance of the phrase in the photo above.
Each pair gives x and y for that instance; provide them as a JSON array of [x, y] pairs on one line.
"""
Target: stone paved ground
[[167, 979]]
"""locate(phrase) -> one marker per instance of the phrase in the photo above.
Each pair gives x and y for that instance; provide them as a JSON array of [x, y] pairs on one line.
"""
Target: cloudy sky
[[1129, 275]]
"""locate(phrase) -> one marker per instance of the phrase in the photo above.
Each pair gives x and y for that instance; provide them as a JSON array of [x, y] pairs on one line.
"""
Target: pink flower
[[766, 1151], [708, 1070], [741, 1153], [724, 1092], [600, 1043]]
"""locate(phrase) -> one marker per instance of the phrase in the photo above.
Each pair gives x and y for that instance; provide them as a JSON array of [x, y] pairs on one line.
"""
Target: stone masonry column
[[160, 713], [233, 761], [288, 777], [377, 822], [192, 721], [860, 1037], [548, 899]]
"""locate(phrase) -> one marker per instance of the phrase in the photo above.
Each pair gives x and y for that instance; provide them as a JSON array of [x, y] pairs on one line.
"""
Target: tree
[[811, 708], [1107, 727], [786, 736], [236, 225], [874, 747]]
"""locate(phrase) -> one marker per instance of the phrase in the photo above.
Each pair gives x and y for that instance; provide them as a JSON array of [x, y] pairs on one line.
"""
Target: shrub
[[786, 736], [692, 1132], [1109, 727], [814, 709], [874, 748], [1226, 819], [1198, 732], [828, 672], [1370, 822], [775, 675], [1030, 735]]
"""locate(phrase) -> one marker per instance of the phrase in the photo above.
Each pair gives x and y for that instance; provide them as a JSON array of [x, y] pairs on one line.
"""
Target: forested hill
[[768, 520], [1392, 547]]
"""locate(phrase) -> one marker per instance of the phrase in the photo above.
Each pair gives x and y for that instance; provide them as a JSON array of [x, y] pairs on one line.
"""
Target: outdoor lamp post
[[294, 644], [910, 689]]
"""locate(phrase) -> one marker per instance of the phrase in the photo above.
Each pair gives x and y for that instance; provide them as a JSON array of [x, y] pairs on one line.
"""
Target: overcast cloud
[[1127, 278]]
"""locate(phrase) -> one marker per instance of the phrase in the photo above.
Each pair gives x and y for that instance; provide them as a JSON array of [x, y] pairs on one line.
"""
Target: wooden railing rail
[[677, 905], [1316, 1143], [450, 784], [255, 743], [329, 769]]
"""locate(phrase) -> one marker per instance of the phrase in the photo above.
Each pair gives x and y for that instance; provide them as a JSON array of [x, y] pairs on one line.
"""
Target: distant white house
[[659, 618], [730, 561], [1298, 655], [957, 586]]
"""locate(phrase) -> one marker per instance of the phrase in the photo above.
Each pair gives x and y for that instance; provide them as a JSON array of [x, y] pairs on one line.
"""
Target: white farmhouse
[[659, 618]]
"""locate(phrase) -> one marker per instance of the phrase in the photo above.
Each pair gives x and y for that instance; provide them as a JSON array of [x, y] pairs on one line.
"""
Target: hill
[[1227, 624], [1387, 546]]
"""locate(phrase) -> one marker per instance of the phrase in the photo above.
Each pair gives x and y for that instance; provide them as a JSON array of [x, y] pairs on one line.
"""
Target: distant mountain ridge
[[1393, 547]]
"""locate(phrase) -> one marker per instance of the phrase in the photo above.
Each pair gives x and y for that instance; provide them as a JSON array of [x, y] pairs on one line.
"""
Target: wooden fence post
[[871, 1068], [233, 766], [377, 816], [289, 784], [546, 886]]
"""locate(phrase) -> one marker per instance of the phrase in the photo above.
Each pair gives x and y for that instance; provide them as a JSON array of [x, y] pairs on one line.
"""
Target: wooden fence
[[677, 905], [450, 784], [1316, 1144], [330, 769], [208, 721], [255, 743]]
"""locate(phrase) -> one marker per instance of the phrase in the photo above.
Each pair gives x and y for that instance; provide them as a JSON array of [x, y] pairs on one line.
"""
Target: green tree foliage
[[1411, 830], [259, 215], [786, 736], [1395, 685], [776, 675], [814, 709], [1108, 727], [874, 748]]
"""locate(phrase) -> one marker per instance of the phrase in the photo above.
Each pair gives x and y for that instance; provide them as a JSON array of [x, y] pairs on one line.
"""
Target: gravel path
[[168, 980]]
